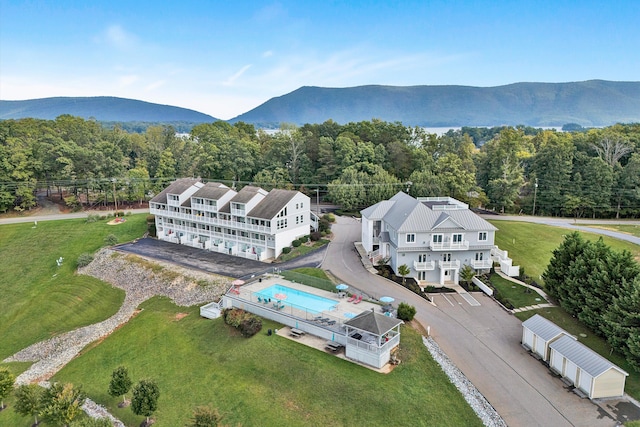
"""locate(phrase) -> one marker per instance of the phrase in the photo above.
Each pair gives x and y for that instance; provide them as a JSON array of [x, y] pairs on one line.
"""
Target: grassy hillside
[[40, 299], [589, 103]]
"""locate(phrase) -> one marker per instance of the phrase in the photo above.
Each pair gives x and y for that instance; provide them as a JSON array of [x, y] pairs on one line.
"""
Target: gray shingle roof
[[246, 194], [178, 186], [272, 204], [587, 359], [212, 191], [374, 323], [406, 214], [545, 329]]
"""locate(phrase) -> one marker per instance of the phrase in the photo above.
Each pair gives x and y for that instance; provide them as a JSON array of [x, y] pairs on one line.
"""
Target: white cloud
[[128, 80], [117, 37], [231, 80], [155, 85], [267, 54]]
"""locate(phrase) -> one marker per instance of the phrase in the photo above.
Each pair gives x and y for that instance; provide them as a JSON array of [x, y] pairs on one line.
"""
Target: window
[[411, 238], [482, 236], [422, 257], [446, 257], [479, 256], [457, 238], [437, 238]]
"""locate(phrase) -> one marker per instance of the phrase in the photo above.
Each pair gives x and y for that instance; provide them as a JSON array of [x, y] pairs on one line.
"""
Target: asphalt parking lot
[[213, 262]]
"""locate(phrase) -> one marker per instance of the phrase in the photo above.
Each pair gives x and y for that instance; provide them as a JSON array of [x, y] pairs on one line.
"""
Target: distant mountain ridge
[[102, 108], [588, 103]]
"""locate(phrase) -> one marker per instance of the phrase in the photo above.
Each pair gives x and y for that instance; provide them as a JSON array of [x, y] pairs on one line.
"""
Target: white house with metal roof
[[252, 223], [538, 333], [434, 236], [587, 370]]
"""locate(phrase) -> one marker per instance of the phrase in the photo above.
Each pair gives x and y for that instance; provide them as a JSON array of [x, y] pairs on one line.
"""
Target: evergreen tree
[[557, 271]]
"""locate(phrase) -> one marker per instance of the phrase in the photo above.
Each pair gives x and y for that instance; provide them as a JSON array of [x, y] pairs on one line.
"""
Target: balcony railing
[[449, 246], [422, 266], [482, 264], [213, 221], [449, 264]]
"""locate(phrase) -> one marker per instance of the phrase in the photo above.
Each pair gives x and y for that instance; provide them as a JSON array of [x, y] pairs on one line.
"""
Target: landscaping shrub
[[324, 225], [248, 324], [111, 239], [84, 259], [406, 312], [296, 243], [329, 217], [286, 250], [93, 218]]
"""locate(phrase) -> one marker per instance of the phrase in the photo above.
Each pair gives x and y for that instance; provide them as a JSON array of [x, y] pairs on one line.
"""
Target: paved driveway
[[483, 341], [214, 262]]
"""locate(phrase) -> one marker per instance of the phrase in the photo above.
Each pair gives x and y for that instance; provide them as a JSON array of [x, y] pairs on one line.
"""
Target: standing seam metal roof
[[586, 359], [544, 328]]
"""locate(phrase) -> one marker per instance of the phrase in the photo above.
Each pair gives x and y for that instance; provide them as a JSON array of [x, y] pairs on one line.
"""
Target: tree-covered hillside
[[594, 173], [589, 103]]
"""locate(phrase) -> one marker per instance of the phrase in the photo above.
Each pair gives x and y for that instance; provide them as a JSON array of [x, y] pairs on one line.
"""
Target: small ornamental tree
[[6, 385], [92, 422], [204, 416], [61, 404], [403, 270], [28, 398], [406, 312], [145, 398], [120, 383], [467, 273]]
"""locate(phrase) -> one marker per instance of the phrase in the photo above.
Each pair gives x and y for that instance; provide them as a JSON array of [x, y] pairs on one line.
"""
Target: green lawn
[[302, 250], [518, 295], [39, 299], [264, 380], [531, 245], [634, 230], [585, 336]]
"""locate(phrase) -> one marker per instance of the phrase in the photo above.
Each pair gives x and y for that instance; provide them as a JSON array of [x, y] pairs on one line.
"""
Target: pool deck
[[342, 307]]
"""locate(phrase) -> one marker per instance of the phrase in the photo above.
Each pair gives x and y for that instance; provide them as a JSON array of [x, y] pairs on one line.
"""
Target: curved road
[[483, 341]]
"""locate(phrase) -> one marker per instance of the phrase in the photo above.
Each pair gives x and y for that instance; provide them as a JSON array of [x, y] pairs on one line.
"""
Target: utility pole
[[535, 193], [318, 202], [115, 199]]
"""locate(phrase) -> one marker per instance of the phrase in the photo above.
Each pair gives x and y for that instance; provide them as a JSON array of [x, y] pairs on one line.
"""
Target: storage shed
[[538, 333], [586, 369]]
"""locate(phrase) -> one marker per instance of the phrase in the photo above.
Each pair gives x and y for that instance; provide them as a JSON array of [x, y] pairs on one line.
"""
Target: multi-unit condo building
[[252, 223], [433, 236]]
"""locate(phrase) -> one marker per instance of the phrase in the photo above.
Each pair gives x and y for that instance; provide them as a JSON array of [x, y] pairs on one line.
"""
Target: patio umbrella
[[237, 282], [342, 287], [387, 299]]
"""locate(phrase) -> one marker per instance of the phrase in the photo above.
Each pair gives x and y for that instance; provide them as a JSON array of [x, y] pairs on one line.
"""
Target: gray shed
[[586, 369], [538, 333]]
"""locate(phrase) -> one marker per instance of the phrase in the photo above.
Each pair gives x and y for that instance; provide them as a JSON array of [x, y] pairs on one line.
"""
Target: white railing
[[202, 219], [449, 246], [421, 266], [449, 264], [500, 254], [482, 264], [204, 207]]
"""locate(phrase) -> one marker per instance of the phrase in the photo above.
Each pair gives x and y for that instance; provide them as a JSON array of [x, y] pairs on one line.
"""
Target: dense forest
[[593, 173]]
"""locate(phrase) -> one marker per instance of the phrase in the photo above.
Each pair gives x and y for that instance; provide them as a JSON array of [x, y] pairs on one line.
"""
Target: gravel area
[[141, 280], [474, 398]]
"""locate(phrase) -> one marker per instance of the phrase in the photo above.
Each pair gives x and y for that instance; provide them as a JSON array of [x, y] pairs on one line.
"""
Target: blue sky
[[225, 58]]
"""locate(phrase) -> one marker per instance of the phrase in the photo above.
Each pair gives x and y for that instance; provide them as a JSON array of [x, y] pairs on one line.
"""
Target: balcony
[[424, 266], [212, 221], [449, 264], [482, 264], [449, 246]]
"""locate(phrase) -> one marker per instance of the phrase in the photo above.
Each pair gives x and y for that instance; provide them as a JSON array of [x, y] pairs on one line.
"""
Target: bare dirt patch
[[180, 316]]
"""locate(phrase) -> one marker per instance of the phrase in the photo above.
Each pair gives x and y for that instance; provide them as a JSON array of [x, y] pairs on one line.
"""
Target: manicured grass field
[[588, 338], [40, 299], [263, 380], [531, 245], [634, 230], [518, 295], [302, 250]]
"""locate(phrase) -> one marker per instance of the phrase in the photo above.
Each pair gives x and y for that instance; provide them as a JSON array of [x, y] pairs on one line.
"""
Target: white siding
[[570, 371], [541, 348], [527, 337], [556, 361], [585, 382]]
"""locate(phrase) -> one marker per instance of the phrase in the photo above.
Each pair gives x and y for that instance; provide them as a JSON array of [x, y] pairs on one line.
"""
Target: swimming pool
[[297, 298]]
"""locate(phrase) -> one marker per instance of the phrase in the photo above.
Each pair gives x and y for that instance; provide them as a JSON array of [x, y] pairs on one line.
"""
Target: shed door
[[556, 360], [527, 338], [571, 371], [584, 382], [540, 347]]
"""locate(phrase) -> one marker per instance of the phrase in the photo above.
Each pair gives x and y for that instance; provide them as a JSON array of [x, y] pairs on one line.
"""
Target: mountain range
[[588, 103]]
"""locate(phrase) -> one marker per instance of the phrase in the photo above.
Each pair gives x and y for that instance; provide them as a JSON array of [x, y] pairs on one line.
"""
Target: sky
[[224, 58]]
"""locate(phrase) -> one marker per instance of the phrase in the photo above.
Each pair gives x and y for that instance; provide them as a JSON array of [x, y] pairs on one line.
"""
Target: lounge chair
[[259, 299], [331, 322], [358, 300], [266, 301], [353, 298]]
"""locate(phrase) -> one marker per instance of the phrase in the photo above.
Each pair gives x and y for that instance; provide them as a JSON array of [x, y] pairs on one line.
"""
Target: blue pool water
[[297, 298]]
